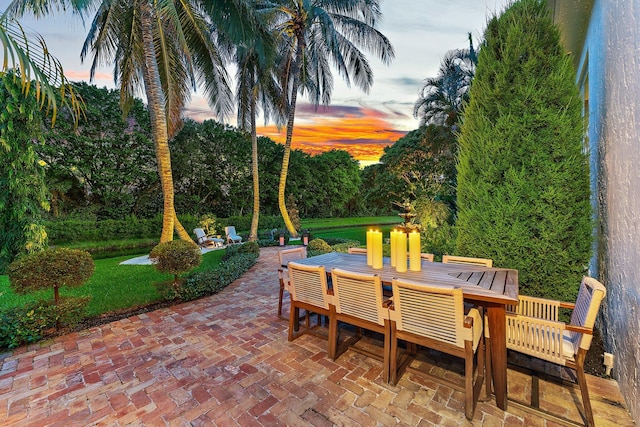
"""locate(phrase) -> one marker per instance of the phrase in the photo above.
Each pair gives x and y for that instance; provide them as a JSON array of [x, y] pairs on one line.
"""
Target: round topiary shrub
[[319, 245], [176, 257], [250, 248], [50, 268]]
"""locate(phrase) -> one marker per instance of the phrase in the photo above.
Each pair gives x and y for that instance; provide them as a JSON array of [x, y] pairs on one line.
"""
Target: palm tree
[[315, 35], [442, 98], [167, 47], [36, 66], [257, 84]]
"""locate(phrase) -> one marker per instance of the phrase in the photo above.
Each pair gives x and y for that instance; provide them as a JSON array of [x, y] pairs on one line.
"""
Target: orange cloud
[[363, 132]]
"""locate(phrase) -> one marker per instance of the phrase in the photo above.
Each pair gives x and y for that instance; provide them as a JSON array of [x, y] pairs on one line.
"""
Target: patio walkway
[[225, 360]]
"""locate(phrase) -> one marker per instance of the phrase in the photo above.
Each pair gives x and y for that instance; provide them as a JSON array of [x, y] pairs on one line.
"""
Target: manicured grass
[[116, 287], [112, 286], [354, 233], [330, 223]]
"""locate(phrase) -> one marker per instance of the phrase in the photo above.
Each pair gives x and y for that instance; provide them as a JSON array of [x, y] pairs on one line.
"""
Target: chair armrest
[[473, 322], [579, 329], [472, 318]]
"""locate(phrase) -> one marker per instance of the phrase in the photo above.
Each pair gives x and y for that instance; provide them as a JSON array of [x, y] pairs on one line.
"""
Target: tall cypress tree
[[523, 178]]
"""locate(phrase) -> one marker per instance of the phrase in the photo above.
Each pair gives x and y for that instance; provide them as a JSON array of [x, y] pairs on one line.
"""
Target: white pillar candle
[[401, 252], [394, 234], [369, 248], [415, 263], [376, 238]]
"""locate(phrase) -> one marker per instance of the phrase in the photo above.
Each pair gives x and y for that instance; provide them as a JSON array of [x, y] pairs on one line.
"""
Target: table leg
[[498, 332]]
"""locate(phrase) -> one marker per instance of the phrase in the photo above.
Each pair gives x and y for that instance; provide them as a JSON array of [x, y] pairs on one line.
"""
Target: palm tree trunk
[[253, 235], [287, 145], [157, 114]]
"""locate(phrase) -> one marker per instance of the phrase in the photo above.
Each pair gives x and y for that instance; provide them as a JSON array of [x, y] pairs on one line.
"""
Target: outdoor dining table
[[491, 288]]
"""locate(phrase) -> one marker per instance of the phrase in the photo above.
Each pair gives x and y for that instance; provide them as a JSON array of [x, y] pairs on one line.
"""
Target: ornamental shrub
[[51, 268], [176, 257], [319, 245], [250, 248], [35, 320], [523, 178]]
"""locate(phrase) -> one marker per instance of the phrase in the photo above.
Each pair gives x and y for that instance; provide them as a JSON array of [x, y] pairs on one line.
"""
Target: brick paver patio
[[225, 360]]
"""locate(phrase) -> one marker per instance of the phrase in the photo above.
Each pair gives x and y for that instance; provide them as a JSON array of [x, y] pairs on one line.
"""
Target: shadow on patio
[[225, 360]]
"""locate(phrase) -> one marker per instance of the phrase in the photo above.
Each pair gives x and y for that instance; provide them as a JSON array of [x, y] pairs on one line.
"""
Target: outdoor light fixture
[[305, 237], [282, 238]]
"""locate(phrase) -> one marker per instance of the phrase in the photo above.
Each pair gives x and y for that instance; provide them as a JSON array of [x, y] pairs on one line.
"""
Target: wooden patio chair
[[309, 291], [453, 259], [358, 301], [534, 329], [284, 256], [357, 251], [428, 257], [433, 317]]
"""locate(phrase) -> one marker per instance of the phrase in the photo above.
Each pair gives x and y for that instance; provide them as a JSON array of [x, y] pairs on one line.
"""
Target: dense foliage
[[107, 165], [420, 165], [106, 169], [23, 194], [32, 322], [523, 179]]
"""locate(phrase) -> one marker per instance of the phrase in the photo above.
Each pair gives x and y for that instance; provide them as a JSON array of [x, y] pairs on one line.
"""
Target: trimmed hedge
[[211, 282], [90, 230]]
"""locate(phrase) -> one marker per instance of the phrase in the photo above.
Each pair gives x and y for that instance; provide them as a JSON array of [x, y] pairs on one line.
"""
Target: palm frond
[[34, 63]]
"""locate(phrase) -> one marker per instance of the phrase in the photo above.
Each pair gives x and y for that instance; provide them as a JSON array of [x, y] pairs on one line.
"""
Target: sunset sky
[[421, 32]]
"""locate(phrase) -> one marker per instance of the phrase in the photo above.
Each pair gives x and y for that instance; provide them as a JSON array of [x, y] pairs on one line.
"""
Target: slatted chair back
[[292, 254], [428, 257], [284, 256], [433, 312], [357, 251], [308, 284], [453, 259], [358, 295], [586, 309]]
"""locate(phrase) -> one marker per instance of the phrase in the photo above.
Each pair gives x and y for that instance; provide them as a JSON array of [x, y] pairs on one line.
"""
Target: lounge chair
[[232, 236], [205, 241]]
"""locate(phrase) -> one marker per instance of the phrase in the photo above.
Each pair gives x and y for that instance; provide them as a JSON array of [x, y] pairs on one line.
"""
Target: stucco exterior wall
[[612, 57]]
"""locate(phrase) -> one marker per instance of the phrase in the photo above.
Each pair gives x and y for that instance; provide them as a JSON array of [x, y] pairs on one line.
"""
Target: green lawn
[[115, 287], [354, 233], [112, 286], [331, 223]]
